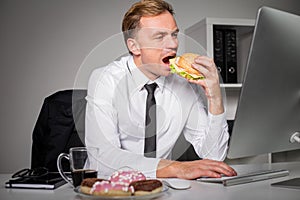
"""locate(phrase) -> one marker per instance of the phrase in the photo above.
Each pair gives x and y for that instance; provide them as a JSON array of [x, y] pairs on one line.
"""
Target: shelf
[[202, 34], [200, 38], [231, 85]]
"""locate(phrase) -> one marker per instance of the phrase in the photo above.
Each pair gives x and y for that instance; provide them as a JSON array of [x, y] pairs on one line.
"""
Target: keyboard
[[248, 177]]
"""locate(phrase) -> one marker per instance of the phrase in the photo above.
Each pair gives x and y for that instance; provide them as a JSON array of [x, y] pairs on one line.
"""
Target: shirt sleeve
[[102, 131], [207, 133]]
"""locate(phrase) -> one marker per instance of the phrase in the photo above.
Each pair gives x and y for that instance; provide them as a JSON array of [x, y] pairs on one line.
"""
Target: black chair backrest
[[60, 126]]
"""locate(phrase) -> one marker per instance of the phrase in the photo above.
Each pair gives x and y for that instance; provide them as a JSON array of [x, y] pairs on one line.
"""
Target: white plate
[[149, 196]]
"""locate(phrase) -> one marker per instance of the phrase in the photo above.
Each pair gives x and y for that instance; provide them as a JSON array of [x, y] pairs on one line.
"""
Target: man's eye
[[175, 35], [159, 37]]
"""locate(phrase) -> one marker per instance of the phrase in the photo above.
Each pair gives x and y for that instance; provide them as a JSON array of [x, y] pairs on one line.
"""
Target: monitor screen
[[268, 112]]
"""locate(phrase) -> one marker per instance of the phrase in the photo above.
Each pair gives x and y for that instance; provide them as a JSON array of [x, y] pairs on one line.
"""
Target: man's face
[[157, 42]]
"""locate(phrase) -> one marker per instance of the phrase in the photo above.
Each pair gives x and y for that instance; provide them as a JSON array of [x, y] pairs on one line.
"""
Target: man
[[117, 93]]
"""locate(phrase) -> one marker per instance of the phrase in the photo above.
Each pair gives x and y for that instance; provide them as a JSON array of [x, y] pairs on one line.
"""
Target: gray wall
[[43, 45]]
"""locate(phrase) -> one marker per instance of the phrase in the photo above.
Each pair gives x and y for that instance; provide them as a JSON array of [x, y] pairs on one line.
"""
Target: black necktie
[[150, 123]]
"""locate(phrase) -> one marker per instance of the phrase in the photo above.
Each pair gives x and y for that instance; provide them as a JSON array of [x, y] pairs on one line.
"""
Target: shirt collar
[[140, 79]]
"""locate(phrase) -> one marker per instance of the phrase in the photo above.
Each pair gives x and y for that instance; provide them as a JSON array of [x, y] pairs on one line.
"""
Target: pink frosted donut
[[125, 177], [106, 188]]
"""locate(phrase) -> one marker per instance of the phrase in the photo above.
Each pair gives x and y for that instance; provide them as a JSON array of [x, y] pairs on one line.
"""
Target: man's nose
[[172, 43]]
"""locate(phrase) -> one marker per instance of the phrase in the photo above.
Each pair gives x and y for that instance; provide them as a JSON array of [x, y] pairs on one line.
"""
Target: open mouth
[[166, 59]]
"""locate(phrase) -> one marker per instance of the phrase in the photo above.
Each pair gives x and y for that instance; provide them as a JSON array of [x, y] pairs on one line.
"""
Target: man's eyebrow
[[176, 31], [160, 33], [165, 32]]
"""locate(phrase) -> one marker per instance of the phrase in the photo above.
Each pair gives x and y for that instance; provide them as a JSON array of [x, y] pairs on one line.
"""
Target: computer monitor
[[268, 111]]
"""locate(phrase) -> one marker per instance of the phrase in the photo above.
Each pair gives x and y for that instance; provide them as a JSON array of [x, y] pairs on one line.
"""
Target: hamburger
[[182, 65]]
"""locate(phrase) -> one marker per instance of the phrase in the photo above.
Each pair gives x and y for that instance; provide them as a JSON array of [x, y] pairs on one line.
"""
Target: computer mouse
[[178, 184]]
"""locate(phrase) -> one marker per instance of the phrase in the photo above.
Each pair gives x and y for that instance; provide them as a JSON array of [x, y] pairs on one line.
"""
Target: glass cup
[[83, 164]]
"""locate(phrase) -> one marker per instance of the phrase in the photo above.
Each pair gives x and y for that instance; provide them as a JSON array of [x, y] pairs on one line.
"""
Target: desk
[[257, 190]]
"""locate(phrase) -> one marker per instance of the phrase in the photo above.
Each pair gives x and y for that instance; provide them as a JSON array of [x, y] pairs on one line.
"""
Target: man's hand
[[210, 84], [193, 169]]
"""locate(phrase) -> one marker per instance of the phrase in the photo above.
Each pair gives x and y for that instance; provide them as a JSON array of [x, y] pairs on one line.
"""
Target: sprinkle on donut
[[126, 177]]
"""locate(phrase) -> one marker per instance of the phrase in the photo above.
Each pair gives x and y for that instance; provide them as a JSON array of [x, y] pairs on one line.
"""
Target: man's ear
[[133, 46]]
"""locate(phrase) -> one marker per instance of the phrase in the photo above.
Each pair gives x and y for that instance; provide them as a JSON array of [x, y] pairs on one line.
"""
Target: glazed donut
[[102, 187], [145, 187], [107, 188], [125, 177]]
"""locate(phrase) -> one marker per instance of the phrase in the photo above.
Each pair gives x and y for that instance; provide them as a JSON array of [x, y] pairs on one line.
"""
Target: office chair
[[60, 126]]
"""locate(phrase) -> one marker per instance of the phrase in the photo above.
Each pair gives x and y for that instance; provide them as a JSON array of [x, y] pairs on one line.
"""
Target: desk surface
[[255, 190]]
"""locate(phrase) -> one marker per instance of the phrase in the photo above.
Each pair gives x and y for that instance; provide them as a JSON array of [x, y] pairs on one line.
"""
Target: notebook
[[248, 177], [51, 181]]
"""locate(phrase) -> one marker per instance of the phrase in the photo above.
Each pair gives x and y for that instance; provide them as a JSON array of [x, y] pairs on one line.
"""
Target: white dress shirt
[[115, 118]]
